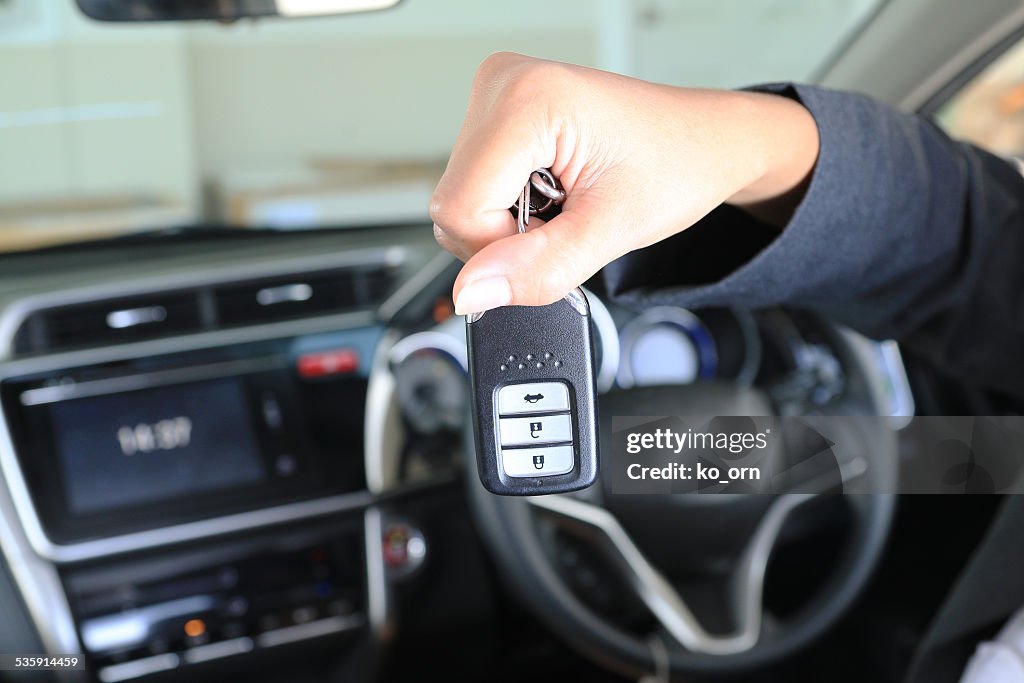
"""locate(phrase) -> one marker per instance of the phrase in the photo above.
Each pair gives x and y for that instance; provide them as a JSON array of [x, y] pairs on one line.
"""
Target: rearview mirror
[[222, 10]]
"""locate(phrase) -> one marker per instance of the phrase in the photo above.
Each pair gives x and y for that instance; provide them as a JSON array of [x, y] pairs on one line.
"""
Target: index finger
[[503, 139]]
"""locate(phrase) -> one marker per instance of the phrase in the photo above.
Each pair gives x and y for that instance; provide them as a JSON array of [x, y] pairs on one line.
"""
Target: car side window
[[989, 110]]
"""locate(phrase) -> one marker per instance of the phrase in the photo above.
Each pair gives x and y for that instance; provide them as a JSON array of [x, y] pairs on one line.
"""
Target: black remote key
[[532, 374]]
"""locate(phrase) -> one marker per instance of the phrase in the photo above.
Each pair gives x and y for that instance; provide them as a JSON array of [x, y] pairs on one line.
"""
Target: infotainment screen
[[156, 444]]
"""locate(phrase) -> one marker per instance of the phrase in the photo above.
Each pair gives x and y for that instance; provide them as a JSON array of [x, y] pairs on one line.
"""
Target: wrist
[[783, 137]]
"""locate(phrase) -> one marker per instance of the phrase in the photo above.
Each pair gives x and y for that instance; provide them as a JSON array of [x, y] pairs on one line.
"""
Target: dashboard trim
[[225, 648], [144, 380], [183, 343], [138, 668], [416, 283], [377, 602], [18, 310], [380, 393], [429, 339], [36, 578], [608, 334], [312, 629]]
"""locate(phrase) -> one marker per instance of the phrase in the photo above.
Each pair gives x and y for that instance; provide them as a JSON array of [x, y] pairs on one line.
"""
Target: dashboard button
[[527, 431], [545, 461], [535, 397], [327, 363]]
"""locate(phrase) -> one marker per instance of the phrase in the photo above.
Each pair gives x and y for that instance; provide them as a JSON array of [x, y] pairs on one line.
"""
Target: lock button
[[533, 397], [540, 429], [545, 461]]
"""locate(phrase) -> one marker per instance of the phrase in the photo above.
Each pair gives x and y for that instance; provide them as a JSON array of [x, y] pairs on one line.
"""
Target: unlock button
[[537, 462], [530, 431]]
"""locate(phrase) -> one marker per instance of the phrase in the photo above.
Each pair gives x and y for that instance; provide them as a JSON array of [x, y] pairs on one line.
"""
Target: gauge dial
[[432, 390], [665, 354], [666, 345]]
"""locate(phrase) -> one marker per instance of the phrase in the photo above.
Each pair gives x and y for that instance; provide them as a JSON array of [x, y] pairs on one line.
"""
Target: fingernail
[[483, 295]]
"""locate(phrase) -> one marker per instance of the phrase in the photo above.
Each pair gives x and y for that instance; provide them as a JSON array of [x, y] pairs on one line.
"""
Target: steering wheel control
[[532, 373]]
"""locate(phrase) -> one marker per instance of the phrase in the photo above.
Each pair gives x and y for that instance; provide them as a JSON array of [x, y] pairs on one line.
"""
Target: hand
[[639, 162]]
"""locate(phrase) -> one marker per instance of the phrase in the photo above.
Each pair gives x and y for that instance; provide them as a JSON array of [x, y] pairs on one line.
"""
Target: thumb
[[535, 268]]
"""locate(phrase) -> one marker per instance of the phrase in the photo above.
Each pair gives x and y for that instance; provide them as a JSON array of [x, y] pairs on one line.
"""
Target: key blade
[[523, 215]]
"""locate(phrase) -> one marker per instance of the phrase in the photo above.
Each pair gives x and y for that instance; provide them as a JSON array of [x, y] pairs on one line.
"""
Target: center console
[[198, 504], [208, 603]]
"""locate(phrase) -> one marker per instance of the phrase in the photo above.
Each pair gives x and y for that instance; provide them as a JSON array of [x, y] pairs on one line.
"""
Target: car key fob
[[532, 375]]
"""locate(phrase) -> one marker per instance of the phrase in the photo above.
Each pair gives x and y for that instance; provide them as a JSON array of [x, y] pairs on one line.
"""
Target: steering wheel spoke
[[745, 584]]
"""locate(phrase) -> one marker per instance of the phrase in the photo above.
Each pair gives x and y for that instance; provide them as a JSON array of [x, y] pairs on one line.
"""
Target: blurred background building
[[327, 121]]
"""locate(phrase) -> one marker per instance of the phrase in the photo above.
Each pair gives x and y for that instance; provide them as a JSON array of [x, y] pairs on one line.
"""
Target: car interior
[[236, 440]]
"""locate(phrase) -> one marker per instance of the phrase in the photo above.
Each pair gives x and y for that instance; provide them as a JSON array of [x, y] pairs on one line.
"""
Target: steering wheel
[[668, 546]]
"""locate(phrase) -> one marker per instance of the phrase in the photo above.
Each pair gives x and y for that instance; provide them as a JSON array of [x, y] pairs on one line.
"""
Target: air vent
[[297, 296], [205, 307], [115, 321]]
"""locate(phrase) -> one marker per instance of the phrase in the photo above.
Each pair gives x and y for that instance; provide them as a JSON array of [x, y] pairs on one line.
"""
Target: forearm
[[902, 233]]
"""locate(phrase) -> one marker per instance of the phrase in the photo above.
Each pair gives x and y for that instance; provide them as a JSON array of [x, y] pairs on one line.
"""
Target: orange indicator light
[[195, 628]]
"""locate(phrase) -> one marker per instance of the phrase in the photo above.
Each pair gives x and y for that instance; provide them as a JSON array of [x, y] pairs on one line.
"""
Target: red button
[[325, 363], [396, 546]]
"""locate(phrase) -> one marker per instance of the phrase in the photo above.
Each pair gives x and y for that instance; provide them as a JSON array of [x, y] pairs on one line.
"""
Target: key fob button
[[533, 397], [537, 462], [528, 431], [531, 369]]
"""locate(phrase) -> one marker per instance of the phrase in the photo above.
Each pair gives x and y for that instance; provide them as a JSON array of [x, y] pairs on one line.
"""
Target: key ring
[[546, 185]]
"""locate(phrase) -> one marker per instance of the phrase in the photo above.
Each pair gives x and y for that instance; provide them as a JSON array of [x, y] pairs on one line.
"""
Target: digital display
[[155, 444]]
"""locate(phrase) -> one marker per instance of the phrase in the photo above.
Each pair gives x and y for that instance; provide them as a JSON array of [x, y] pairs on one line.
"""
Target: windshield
[[331, 122]]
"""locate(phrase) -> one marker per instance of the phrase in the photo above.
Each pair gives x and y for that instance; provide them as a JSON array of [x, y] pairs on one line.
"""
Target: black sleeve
[[903, 234]]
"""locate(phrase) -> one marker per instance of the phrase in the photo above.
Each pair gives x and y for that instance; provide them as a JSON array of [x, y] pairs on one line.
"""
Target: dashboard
[[207, 449]]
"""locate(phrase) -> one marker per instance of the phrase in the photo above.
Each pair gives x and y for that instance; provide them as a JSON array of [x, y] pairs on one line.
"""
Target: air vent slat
[[251, 301], [122, 320], [288, 297]]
